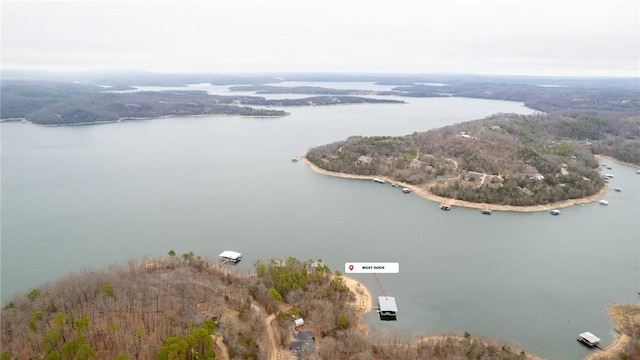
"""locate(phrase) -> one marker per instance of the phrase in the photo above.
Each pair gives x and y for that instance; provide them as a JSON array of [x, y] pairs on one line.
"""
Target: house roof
[[305, 335], [387, 303], [301, 344]]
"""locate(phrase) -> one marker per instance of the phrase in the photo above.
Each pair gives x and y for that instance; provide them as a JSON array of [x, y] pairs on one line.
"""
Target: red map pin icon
[[351, 267]]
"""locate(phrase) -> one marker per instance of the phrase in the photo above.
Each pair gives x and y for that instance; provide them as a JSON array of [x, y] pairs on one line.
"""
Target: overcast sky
[[528, 37]]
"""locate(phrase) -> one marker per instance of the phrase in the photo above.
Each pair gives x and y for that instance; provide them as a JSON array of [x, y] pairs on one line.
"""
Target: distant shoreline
[[454, 202], [25, 121]]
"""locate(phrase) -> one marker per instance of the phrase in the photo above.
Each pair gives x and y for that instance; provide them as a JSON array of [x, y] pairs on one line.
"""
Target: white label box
[[371, 267]]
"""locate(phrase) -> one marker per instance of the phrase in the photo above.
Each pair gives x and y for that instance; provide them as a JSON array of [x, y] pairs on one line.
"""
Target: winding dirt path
[[274, 349], [224, 352]]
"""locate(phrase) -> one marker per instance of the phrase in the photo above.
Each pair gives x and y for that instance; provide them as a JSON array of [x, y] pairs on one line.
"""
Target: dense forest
[[505, 159], [189, 307]]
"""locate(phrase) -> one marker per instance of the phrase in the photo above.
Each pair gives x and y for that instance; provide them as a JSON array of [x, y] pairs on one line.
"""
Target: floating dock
[[387, 307], [230, 257], [589, 339]]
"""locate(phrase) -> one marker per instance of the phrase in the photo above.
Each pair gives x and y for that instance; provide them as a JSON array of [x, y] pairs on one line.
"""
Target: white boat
[[445, 207], [554, 212], [379, 181], [486, 212], [603, 202], [406, 190], [618, 189]]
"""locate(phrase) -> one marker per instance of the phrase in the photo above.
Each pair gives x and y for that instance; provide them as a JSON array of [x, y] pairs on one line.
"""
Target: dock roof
[[387, 303], [590, 337], [230, 255]]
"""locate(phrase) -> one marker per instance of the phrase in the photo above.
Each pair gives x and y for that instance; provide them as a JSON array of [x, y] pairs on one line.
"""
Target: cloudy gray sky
[[532, 37]]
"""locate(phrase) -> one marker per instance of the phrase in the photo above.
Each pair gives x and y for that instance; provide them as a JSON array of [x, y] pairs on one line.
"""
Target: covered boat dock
[[387, 307], [589, 339], [230, 257]]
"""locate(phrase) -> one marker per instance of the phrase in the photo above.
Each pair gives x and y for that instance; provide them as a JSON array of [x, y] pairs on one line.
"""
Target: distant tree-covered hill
[[66, 103]]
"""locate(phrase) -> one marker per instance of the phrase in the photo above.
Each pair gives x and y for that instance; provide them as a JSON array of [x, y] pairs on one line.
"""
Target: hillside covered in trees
[[188, 307], [505, 159], [71, 103]]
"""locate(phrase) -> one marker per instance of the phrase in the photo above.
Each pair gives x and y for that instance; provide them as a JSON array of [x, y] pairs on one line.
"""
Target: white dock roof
[[387, 303], [230, 255], [590, 337]]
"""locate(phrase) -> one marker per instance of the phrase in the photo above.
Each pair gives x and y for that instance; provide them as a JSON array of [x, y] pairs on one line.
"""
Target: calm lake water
[[84, 197]]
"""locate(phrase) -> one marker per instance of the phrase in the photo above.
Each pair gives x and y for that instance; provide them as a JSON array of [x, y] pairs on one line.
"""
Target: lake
[[84, 197]]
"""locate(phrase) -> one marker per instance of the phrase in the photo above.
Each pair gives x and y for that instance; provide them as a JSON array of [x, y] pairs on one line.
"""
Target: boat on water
[[445, 207], [618, 189], [406, 190], [486, 212], [554, 212], [603, 202], [379, 181]]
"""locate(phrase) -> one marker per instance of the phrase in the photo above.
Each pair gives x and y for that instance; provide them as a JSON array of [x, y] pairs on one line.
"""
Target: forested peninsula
[[192, 307], [503, 160]]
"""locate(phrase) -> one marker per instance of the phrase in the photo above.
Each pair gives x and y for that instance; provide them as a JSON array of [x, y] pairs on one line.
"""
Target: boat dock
[[589, 339], [230, 257], [387, 307]]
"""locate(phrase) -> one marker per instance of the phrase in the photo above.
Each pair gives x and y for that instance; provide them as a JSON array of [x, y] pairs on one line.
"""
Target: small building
[[305, 335], [302, 348], [387, 307], [589, 339], [304, 344], [230, 256], [298, 322]]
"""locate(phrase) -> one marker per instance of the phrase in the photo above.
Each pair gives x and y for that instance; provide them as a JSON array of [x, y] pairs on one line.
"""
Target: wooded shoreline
[[453, 202]]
